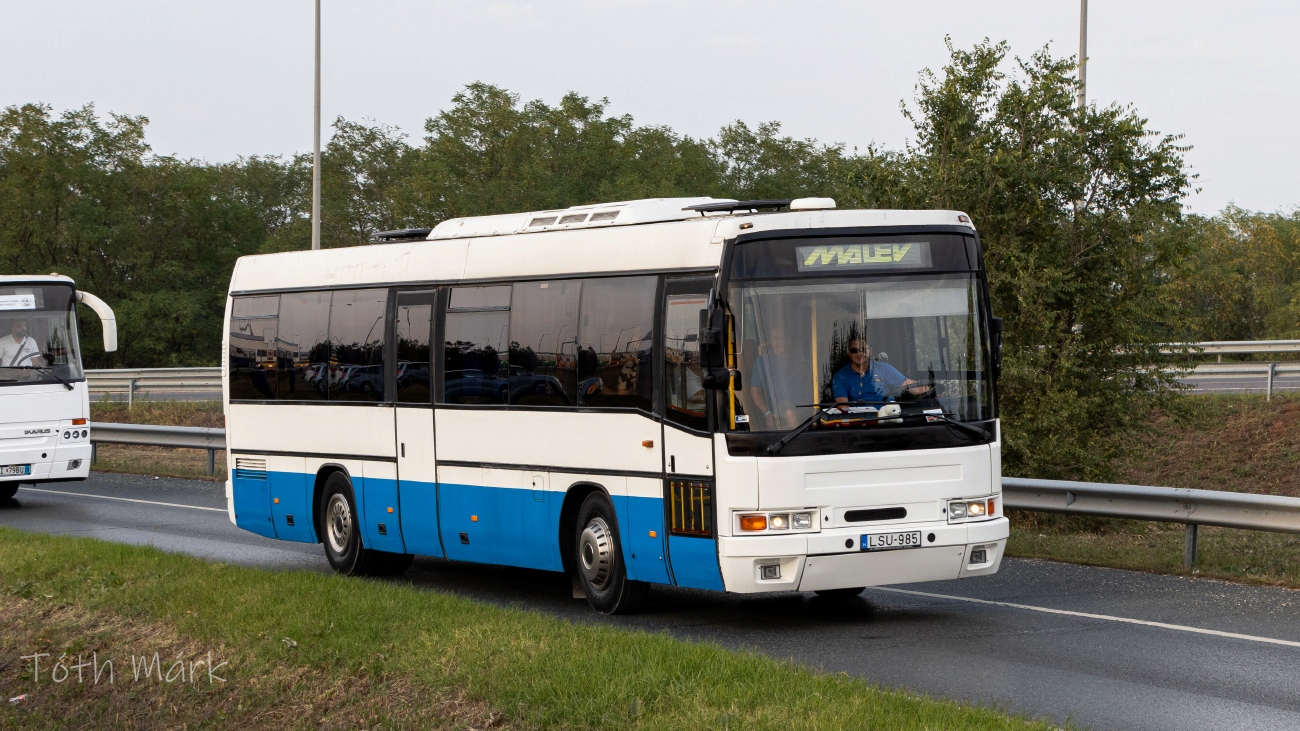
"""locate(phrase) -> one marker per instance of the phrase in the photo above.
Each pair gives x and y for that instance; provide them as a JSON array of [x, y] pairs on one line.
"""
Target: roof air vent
[[541, 221], [812, 204]]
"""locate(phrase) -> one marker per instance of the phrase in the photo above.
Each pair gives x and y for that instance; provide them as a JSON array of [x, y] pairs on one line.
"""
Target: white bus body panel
[[33, 420]]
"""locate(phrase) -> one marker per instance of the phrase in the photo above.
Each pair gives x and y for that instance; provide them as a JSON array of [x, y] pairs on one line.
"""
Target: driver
[[865, 380], [18, 349]]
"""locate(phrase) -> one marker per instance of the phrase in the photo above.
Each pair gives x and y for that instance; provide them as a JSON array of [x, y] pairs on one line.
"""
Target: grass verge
[[1251, 557], [306, 650]]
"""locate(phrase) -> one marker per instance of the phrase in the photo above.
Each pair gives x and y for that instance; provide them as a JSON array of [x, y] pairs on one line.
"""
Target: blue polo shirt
[[879, 380]]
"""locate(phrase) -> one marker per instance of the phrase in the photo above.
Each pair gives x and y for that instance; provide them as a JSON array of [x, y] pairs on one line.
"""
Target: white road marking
[[1089, 615], [123, 499]]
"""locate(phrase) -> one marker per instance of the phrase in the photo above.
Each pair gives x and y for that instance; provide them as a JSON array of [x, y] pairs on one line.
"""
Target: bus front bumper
[[830, 559]]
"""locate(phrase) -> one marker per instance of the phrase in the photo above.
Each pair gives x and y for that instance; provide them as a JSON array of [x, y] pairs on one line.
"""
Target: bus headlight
[[768, 522], [971, 509]]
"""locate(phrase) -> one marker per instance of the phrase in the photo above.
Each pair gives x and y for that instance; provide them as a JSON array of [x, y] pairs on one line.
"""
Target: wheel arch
[[318, 491], [573, 499]]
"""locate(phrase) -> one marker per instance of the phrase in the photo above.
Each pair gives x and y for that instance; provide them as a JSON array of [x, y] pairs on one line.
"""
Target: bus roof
[[35, 279], [652, 235]]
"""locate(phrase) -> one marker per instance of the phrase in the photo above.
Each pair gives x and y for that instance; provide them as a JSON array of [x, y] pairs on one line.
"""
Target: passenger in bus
[[19, 349], [865, 380], [772, 384]]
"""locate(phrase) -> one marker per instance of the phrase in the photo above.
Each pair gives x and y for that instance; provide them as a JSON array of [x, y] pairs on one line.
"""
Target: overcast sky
[[229, 78]]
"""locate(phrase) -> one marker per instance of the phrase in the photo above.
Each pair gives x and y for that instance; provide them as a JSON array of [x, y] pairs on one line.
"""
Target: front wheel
[[341, 534], [599, 562], [8, 491]]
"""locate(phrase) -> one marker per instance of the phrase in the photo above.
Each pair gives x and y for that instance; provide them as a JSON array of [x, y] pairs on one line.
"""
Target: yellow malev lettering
[[851, 255], [826, 254], [900, 251], [882, 254]]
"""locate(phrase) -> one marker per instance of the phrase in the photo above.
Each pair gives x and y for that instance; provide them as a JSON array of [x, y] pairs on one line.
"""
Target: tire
[[598, 561], [341, 535], [840, 595], [8, 491]]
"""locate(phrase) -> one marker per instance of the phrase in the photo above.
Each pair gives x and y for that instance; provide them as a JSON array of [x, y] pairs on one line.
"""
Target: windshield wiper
[[823, 410], [42, 369], [790, 435], [962, 426]]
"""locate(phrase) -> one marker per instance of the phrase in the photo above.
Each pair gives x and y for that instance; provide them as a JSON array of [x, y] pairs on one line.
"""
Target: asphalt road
[[1100, 648]]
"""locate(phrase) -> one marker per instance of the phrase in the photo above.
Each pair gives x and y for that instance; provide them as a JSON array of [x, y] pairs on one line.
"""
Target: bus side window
[[542, 334], [413, 320], [304, 329], [253, 334], [683, 387], [475, 348], [615, 342], [357, 344]]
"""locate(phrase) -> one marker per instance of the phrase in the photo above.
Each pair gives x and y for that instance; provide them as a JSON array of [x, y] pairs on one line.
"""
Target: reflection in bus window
[[251, 358], [357, 344], [304, 335], [686, 396], [542, 337], [474, 348], [413, 320], [615, 342]]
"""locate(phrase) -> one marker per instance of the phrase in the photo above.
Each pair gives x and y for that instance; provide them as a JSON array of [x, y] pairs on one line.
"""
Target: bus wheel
[[840, 595], [599, 562], [8, 491], [341, 534]]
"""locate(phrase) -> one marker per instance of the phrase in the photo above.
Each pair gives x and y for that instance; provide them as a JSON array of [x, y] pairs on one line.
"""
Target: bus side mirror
[[996, 328], [713, 356], [106, 317]]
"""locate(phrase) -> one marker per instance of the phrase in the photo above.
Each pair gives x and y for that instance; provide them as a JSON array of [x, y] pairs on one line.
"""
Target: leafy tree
[[1074, 210]]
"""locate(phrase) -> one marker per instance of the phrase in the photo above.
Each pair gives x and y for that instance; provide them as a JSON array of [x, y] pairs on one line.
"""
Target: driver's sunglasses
[[855, 351]]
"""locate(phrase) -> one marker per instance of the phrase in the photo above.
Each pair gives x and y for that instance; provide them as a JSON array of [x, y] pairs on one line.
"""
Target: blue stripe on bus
[[514, 527], [695, 562]]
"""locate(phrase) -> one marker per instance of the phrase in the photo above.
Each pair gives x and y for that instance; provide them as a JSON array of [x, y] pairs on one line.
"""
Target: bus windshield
[[38, 335], [856, 344]]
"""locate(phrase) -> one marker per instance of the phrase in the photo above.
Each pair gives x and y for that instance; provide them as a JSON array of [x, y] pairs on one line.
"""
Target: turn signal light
[[78, 422], [753, 522]]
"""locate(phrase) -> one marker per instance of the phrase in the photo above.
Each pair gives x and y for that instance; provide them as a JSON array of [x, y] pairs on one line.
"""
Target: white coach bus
[[745, 396], [44, 404]]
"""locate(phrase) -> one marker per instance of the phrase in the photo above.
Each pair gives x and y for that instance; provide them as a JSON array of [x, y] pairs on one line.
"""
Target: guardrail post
[[94, 452], [130, 394], [1272, 370], [212, 462], [1189, 547]]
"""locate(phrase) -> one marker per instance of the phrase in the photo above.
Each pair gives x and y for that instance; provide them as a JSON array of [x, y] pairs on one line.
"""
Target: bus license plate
[[10, 470], [889, 541]]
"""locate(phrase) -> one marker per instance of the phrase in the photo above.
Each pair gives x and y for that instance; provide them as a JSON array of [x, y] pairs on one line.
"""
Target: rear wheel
[[341, 534], [599, 562], [8, 491], [840, 595]]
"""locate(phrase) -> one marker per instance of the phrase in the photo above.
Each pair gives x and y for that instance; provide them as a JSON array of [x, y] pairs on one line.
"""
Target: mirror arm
[[106, 317]]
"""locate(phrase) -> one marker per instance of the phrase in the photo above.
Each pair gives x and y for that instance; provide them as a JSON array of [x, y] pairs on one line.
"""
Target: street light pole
[[315, 169], [1083, 54]]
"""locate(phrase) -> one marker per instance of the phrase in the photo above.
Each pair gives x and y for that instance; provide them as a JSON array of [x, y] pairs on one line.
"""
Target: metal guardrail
[[1237, 347], [1193, 508], [184, 437], [1272, 370], [131, 381]]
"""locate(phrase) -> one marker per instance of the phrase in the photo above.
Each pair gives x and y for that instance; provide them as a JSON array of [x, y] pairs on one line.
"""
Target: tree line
[[1092, 259]]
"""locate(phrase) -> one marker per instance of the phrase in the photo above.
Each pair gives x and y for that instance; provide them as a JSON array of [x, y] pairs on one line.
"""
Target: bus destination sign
[[17, 302], [911, 255]]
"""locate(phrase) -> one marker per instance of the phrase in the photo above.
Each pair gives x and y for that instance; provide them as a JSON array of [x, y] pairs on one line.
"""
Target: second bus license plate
[[15, 469], [889, 541]]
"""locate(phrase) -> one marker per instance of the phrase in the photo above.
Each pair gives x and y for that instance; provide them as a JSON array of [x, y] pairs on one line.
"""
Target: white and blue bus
[[744, 396], [44, 404]]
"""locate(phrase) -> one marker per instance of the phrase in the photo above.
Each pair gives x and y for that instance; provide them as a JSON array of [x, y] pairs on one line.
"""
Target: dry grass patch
[[178, 690]]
